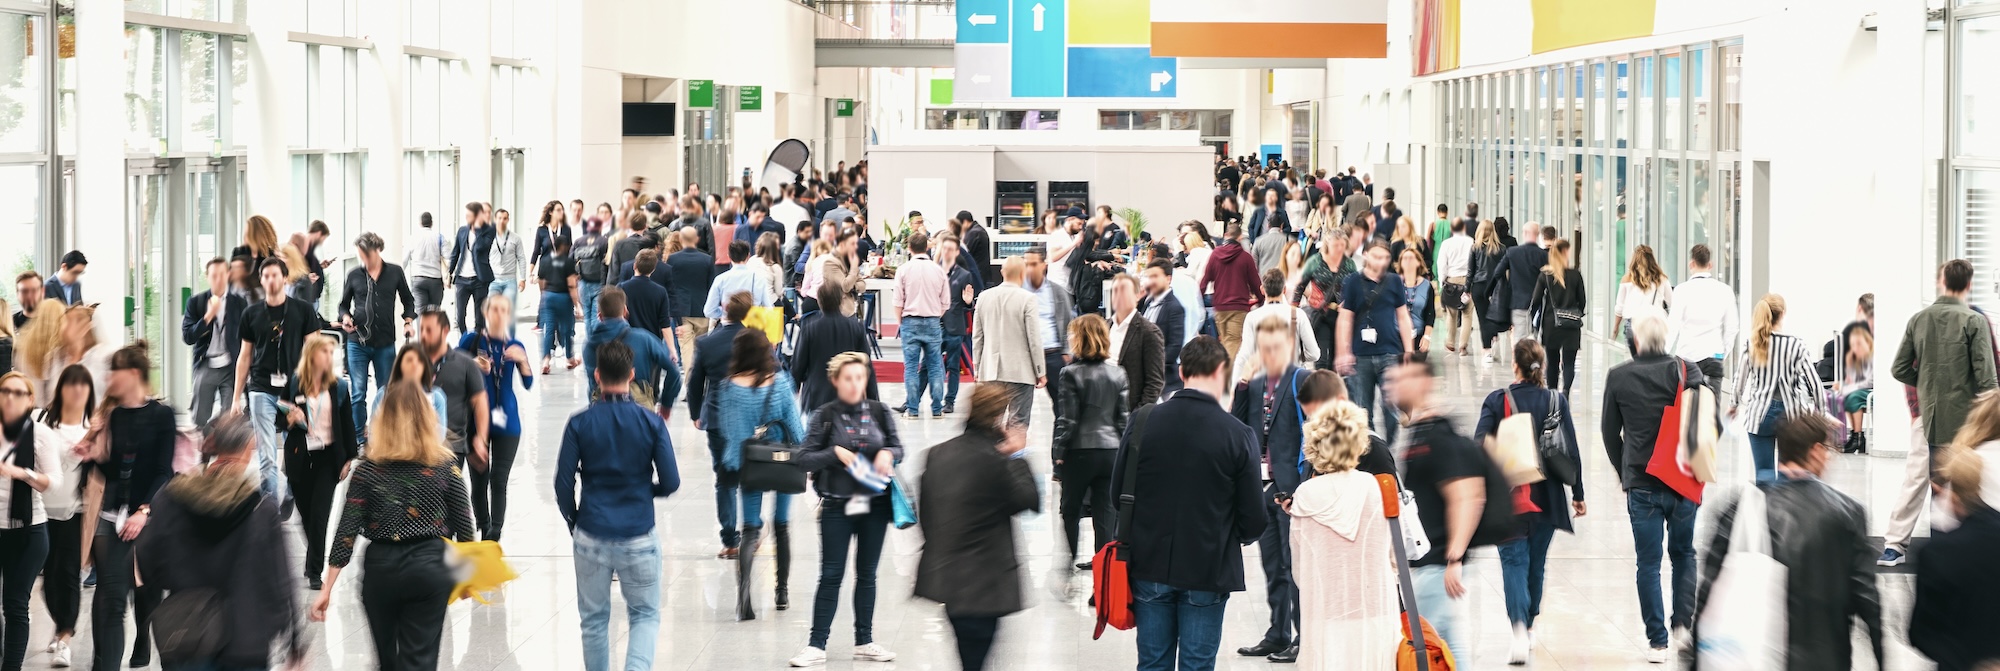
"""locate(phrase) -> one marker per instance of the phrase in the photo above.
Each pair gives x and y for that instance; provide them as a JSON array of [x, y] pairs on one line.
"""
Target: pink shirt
[[922, 289]]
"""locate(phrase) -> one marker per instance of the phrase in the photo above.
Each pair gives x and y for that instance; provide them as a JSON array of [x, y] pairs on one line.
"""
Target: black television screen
[[649, 119]]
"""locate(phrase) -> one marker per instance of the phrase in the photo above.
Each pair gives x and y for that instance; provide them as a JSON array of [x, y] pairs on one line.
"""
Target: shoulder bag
[[1111, 583], [1515, 445], [188, 626], [769, 464]]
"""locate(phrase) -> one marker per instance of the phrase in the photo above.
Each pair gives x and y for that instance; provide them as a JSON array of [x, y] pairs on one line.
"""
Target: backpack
[[589, 256]]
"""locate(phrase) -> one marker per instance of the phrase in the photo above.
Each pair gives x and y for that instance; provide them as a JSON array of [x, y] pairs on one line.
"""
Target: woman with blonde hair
[[1348, 614], [1643, 291], [1952, 618], [406, 496], [1487, 255], [1407, 236], [1858, 385], [1559, 303], [260, 241], [1090, 419], [1195, 257], [1776, 382], [298, 274], [318, 423], [60, 336]]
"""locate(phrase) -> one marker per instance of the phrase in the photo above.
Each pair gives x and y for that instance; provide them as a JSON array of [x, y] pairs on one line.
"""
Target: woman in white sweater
[[1348, 611]]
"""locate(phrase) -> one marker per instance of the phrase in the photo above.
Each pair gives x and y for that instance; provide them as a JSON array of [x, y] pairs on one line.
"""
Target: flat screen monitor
[[649, 119]]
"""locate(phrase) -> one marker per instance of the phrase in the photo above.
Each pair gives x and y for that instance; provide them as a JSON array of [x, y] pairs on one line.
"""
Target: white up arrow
[[1039, 10], [982, 19], [1160, 79]]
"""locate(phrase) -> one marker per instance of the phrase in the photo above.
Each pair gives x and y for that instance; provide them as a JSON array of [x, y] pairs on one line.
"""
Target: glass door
[[148, 211]]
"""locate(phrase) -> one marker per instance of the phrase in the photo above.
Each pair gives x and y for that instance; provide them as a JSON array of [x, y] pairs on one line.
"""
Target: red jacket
[[1233, 274]]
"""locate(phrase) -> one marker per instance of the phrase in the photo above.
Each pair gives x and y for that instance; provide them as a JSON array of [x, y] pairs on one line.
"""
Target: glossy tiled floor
[[1590, 618]]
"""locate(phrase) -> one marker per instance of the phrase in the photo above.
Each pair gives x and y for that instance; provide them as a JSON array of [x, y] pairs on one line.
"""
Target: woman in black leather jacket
[[1487, 251], [1090, 420], [850, 427]]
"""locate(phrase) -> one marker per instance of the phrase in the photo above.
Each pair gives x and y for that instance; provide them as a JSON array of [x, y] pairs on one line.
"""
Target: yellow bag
[[480, 566], [770, 319]]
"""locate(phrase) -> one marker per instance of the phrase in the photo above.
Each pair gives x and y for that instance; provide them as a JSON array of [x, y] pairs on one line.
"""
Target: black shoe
[[314, 583], [937, 413], [1286, 656], [912, 414], [950, 408], [1262, 649], [1083, 566], [143, 657]]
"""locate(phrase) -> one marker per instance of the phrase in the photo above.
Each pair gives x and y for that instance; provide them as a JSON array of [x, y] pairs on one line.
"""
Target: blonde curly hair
[[1336, 437]]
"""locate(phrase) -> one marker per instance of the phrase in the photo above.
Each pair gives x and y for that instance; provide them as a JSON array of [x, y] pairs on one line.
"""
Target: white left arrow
[[1160, 79], [982, 19], [1039, 9]]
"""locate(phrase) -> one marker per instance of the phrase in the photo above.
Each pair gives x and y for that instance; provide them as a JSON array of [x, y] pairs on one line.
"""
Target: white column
[[470, 125], [1909, 279], [267, 130], [383, 114], [100, 162]]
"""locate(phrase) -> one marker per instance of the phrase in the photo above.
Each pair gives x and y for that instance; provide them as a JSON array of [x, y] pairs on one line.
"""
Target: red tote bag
[[1667, 443]]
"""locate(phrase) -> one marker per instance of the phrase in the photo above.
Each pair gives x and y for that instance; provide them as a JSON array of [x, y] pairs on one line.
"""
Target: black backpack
[[589, 256]]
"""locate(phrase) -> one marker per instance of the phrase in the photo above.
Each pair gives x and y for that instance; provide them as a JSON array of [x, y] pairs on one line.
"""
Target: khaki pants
[[1915, 491], [1457, 322], [1229, 325], [696, 327]]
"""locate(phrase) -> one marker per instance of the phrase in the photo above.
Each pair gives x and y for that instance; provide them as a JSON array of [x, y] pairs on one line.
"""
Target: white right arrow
[[1039, 9], [981, 79], [982, 19], [1160, 79]]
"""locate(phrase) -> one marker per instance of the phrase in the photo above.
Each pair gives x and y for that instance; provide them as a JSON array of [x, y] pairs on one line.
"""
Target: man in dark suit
[[692, 271], [648, 304], [1160, 307], [472, 266], [824, 333], [1520, 269], [1197, 500], [1137, 344], [705, 375], [964, 287], [1268, 403], [211, 327]]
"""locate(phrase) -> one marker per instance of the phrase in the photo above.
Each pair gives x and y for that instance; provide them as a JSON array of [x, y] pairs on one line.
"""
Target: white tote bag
[[1743, 627]]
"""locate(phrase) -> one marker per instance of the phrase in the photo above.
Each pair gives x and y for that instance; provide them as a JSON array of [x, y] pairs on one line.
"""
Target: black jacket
[[372, 303], [1287, 432], [710, 367], [971, 494], [1090, 408], [1486, 267], [1821, 537], [693, 272], [1143, 356], [545, 244], [1953, 619], [481, 250], [214, 531], [1199, 495], [1173, 333], [648, 305], [979, 246], [1535, 400], [1636, 394], [299, 461], [836, 425], [1550, 296], [197, 331], [1519, 271], [958, 317], [627, 251], [821, 336]]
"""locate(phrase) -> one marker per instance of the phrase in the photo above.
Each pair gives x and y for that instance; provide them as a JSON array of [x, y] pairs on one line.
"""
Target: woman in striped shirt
[[1776, 382]]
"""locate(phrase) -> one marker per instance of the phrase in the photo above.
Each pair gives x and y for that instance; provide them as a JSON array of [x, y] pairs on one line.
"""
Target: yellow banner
[[1110, 22], [1560, 24]]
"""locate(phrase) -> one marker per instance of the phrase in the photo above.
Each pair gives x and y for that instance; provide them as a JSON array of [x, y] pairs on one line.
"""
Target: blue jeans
[[587, 292], [923, 343], [264, 418], [558, 320], [1442, 611], [753, 508], [1181, 625], [954, 361], [637, 563], [509, 288], [1521, 569], [1764, 443], [1662, 516], [360, 359], [1364, 384]]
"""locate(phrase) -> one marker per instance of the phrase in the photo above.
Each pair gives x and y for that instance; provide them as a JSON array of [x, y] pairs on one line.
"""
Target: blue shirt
[[739, 278], [1045, 311], [505, 416], [618, 448], [1375, 310]]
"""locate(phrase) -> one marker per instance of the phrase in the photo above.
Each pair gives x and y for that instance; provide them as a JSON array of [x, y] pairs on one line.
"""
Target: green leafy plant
[[1135, 221]]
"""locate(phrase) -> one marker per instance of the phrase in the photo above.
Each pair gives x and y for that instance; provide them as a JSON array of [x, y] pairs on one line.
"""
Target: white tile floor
[[1590, 619]]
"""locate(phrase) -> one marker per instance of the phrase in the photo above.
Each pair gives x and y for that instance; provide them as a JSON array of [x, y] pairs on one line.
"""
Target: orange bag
[[1434, 648], [1111, 585]]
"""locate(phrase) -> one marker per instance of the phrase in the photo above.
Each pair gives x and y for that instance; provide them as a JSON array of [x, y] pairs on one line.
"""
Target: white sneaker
[[1489, 356], [53, 644], [1656, 656], [873, 652], [1531, 640], [1518, 653], [810, 656], [61, 659]]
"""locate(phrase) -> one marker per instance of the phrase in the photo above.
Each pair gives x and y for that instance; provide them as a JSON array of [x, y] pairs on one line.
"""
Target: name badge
[[1368, 335], [279, 379], [499, 418]]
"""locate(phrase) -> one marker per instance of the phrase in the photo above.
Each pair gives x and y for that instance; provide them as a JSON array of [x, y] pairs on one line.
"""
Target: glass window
[[1979, 209], [199, 110], [145, 88], [22, 220], [430, 82], [433, 186], [1646, 121], [425, 23], [1671, 100], [1978, 93], [1621, 103], [1600, 117], [1730, 129], [326, 17], [24, 91], [241, 104], [226, 11], [1698, 78]]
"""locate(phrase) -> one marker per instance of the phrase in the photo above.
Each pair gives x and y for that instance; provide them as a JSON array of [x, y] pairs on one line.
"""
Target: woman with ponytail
[[1558, 304], [1776, 382], [1539, 505]]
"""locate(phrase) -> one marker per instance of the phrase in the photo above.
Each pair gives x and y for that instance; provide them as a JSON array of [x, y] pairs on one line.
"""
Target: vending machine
[[1065, 195], [1014, 206]]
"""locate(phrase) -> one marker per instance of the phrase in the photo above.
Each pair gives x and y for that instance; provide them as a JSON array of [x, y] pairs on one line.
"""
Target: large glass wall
[[27, 49], [1975, 147], [1613, 152]]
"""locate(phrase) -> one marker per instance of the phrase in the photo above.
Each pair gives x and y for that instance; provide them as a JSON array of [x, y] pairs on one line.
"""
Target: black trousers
[[489, 489], [975, 639], [1712, 369], [837, 530], [21, 554], [429, 292], [1052, 360], [474, 290], [1087, 473], [313, 478], [1281, 591], [62, 572], [404, 592], [1488, 329], [113, 558]]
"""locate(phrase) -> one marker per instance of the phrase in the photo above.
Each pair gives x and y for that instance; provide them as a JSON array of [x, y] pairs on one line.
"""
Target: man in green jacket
[[1947, 354]]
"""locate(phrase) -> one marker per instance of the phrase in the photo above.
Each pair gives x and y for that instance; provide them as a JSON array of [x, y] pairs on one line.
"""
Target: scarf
[[21, 501]]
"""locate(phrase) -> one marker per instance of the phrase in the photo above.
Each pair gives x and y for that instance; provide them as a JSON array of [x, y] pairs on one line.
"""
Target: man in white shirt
[[1455, 266], [1702, 320], [1305, 350], [788, 211]]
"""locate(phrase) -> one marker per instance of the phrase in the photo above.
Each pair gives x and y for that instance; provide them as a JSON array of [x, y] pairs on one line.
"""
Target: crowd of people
[[1293, 343]]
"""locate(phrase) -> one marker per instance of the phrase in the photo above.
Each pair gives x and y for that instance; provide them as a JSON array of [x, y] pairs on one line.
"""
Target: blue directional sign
[[1038, 44], [1119, 72], [1026, 49], [983, 21]]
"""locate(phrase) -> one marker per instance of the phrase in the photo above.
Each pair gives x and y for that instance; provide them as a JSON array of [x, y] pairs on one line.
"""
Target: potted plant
[[1135, 222]]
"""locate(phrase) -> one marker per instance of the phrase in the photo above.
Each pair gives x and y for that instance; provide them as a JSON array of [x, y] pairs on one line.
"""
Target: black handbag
[[1553, 448], [771, 465]]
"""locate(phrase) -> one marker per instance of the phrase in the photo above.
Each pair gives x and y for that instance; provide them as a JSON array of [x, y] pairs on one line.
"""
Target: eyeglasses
[[16, 393]]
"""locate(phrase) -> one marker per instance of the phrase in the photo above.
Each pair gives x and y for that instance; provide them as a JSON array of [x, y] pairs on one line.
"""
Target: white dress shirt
[[1455, 256], [1701, 321]]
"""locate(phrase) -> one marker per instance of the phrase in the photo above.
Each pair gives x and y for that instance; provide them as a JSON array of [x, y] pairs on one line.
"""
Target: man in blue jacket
[[649, 355], [626, 458]]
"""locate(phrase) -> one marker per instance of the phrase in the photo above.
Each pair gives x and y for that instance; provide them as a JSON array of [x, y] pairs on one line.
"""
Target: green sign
[[843, 107], [941, 90], [701, 94], [749, 98]]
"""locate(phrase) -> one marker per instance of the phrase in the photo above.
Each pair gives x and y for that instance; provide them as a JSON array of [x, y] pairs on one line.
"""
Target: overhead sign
[[1271, 29], [843, 107], [749, 98], [701, 94], [1041, 49]]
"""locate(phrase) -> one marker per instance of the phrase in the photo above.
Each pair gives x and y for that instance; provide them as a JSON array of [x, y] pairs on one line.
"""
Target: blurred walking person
[[1952, 618], [500, 359], [31, 466], [756, 395], [1348, 614], [320, 444], [136, 432], [974, 485], [65, 422], [1524, 561], [1091, 412]]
